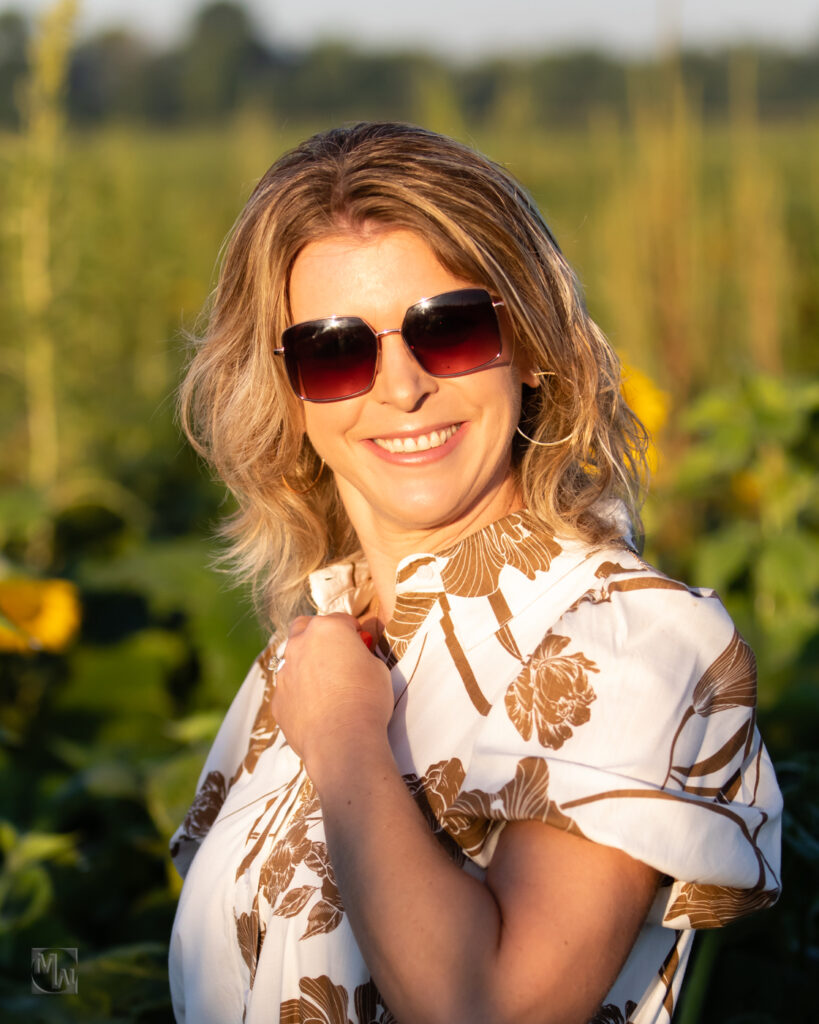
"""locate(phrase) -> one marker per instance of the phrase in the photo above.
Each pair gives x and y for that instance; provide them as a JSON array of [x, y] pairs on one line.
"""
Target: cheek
[[325, 423], [315, 430], [313, 426], [507, 397]]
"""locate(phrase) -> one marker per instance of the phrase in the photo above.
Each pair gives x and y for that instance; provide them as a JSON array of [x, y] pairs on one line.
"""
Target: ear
[[527, 369]]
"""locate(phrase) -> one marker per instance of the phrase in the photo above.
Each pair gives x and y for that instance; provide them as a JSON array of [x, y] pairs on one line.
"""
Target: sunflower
[[38, 615]]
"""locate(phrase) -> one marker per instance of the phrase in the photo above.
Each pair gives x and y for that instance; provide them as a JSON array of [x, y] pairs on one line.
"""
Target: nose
[[400, 379]]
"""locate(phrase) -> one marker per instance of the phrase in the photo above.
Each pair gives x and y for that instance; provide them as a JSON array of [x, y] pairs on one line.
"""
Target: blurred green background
[[685, 190]]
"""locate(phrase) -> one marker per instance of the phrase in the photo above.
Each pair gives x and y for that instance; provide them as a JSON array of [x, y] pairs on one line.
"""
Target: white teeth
[[421, 443]]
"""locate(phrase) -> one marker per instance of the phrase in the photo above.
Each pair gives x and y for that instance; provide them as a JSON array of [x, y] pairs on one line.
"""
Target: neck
[[385, 544]]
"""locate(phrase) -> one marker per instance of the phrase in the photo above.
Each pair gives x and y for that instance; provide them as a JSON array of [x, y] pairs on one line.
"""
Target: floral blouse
[[533, 679]]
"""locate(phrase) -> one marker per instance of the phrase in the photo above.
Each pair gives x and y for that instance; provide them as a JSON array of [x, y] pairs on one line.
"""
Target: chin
[[430, 513]]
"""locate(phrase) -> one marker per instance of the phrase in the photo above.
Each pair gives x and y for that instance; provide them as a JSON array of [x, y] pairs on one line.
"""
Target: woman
[[547, 773]]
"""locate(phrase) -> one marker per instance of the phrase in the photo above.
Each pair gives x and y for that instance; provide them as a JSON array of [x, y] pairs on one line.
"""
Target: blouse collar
[[468, 568], [506, 565]]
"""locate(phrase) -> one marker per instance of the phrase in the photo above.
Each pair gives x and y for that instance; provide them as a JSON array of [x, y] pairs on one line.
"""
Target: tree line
[[224, 65]]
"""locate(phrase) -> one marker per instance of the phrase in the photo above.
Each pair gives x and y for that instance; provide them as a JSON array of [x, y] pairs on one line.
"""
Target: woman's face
[[458, 478]]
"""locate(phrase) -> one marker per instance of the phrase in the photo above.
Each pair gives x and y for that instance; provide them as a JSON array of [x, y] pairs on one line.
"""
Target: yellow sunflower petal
[[38, 614]]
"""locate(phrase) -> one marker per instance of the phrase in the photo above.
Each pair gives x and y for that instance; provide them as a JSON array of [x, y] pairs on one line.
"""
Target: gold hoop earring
[[539, 374], [309, 487], [531, 440], [543, 444]]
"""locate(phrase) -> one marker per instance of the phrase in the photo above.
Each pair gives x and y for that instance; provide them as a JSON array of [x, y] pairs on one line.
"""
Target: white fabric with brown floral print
[[533, 679]]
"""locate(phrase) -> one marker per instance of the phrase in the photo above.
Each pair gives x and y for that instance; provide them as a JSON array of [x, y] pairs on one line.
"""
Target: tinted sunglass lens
[[332, 359], [453, 333]]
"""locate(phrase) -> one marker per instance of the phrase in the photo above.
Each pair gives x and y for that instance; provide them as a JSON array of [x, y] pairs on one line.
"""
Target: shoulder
[[638, 623], [630, 659]]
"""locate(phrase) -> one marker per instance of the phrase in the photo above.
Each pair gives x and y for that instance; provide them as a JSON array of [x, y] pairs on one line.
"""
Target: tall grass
[[763, 262], [43, 123]]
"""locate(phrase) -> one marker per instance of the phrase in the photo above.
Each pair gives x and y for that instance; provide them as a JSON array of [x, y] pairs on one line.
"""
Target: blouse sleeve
[[632, 723], [245, 731]]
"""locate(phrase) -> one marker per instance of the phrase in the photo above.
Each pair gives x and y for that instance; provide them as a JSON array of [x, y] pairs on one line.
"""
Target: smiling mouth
[[419, 443]]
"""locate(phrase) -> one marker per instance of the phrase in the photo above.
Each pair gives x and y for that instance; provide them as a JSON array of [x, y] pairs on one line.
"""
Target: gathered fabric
[[534, 678]]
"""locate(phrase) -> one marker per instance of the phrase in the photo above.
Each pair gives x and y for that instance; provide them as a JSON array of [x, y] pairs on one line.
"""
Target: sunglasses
[[337, 357]]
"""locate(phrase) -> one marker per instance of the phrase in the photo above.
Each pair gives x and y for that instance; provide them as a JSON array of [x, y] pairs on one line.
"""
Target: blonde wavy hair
[[240, 414]]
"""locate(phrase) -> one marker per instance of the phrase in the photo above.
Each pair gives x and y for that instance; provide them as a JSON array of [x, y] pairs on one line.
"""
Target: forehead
[[372, 274]]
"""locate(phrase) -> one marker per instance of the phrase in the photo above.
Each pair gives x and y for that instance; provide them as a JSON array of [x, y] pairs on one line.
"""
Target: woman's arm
[[541, 940]]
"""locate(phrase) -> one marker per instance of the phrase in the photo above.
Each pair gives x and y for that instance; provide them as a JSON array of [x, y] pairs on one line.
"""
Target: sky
[[467, 29]]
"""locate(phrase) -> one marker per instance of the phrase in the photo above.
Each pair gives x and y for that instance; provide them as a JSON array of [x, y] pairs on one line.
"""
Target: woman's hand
[[330, 691]]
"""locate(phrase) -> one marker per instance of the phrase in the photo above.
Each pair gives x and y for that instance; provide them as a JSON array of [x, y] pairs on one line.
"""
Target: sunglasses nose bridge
[[383, 334]]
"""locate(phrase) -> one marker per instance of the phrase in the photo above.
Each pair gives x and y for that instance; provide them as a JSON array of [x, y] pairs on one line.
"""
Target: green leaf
[[200, 726], [25, 895], [21, 508], [170, 788], [34, 847], [788, 567], [174, 575], [722, 556]]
